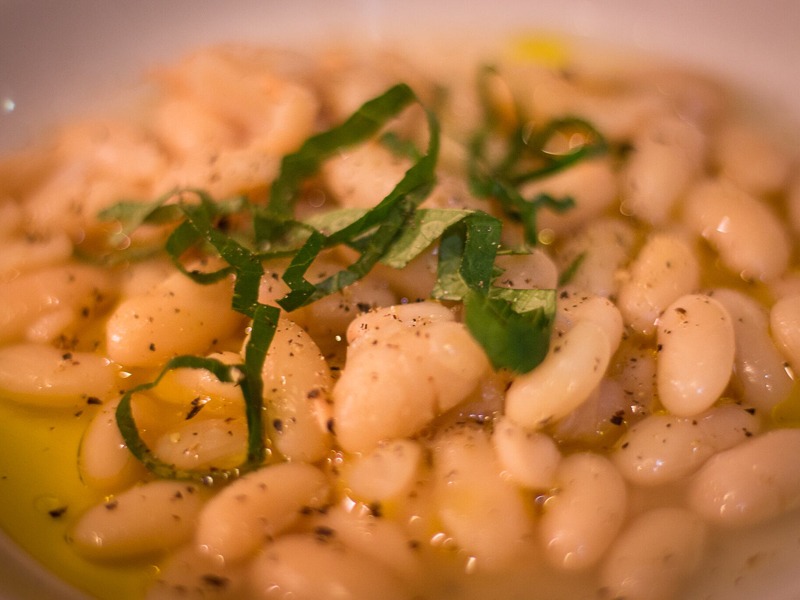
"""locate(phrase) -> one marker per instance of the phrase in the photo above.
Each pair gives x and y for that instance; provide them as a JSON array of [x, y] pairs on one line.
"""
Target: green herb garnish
[[527, 158], [513, 326]]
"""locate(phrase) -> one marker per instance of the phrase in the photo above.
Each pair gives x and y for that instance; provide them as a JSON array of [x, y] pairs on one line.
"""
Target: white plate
[[62, 57]]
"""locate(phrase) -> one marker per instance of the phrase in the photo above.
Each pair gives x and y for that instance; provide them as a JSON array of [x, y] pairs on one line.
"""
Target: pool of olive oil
[[41, 495]]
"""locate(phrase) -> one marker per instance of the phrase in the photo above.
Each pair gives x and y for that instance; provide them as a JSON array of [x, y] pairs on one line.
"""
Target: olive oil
[[41, 495]]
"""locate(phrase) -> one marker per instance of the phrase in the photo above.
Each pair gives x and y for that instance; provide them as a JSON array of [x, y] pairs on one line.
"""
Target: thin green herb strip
[[513, 326], [135, 443], [199, 227]]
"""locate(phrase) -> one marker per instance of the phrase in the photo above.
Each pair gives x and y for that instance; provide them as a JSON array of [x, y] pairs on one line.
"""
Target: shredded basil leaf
[[512, 325], [526, 159], [512, 338], [572, 268]]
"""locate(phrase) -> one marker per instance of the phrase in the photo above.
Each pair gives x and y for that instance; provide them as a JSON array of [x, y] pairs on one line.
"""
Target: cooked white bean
[[361, 177], [617, 113], [327, 319], [635, 369], [415, 282], [267, 107], [654, 555], [183, 386], [379, 539], [383, 322], [750, 158], [748, 236], [223, 172], [573, 307], [389, 471], [98, 162], [727, 493], [479, 509], [602, 247], [788, 285], [402, 382], [81, 290], [584, 513], [784, 320], [759, 366], [667, 155], [592, 184], [696, 349], [297, 386], [104, 460], [177, 317], [26, 255], [190, 574], [529, 458], [665, 448], [567, 376], [145, 519], [257, 507], [194, 444], [527, 271], [599, 420], [303, 567], [664, 270], [45, 376], [183, 126]]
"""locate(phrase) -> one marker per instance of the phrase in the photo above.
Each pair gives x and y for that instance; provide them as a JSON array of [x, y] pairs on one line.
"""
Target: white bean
[[696, 350], [664, 270], [26, 255], [379, 539], [750, 158], [361, 177], [266, 107], [177, 317], [257, 507], [145, 519], [303, 567], [602, 247], [573, 307], [784, 320], [599, 420], [585, 512], [748, 236], [191, 574], [389, 471], [759, 365], [182, 386], [665, 448], [565, 379], [635, 369], [383, 322], [667, 155], [79, 289], [750, 483], [104, 460], [99, 162], [214, 442], [397, 385], [530, 458], [592, 184], [481, 511], [527, 271], [45, 376], [327, 319], [297, 386], [654, 555]]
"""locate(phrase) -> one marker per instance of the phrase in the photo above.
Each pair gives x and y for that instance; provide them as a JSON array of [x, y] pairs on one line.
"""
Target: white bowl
[[59, 58]]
